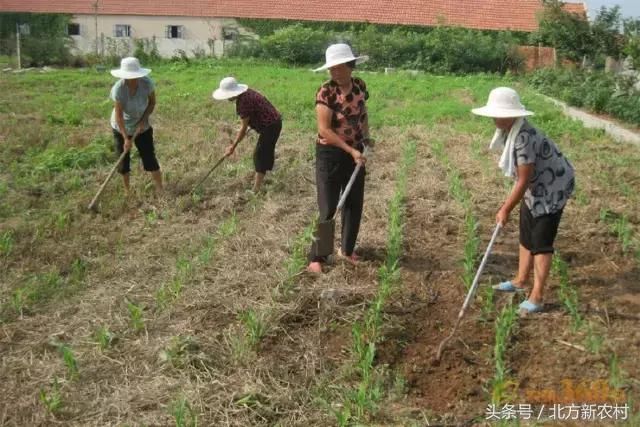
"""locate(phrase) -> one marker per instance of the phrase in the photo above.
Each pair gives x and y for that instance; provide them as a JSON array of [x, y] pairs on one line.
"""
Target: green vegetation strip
[[461, 194], [361, 400]]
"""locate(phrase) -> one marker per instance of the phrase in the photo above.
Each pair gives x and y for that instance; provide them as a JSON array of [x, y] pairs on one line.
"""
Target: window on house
[[24, 29], [73, 29], [175, 32], [121, 30], [230, 33]]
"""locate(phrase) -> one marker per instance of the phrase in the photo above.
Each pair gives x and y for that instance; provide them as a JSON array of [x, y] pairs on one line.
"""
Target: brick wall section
[[537, 57], [519, 15]]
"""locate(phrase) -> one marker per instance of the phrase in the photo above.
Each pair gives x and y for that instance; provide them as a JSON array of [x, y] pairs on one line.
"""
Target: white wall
[[197, 34]]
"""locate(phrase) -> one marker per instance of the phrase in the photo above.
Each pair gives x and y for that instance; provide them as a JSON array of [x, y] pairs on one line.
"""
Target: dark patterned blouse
[[553, 180], [349, 109], [261, 113]]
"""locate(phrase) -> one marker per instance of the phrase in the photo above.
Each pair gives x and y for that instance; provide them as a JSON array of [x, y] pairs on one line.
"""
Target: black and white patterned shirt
[[553, 180]]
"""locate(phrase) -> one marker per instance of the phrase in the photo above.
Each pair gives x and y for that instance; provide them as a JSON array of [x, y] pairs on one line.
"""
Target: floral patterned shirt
[[349, 110], [261, 113]]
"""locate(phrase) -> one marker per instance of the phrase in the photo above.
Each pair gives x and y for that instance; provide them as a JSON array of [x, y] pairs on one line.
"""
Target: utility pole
[[95, 8], [18, 44]]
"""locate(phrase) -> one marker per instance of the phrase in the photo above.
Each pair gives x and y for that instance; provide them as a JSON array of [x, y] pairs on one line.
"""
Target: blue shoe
[[527, 307], [508, 287]]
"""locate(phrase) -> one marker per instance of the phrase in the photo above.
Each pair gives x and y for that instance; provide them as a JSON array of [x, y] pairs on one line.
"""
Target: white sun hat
[[340, 53], [503, 103], [130, 69], [229, 87]]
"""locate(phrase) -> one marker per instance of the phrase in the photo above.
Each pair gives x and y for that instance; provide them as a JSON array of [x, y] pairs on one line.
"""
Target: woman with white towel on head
[[544, 182]]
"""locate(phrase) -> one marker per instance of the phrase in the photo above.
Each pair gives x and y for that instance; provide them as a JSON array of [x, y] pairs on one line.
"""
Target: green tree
[[568, 32], [605, 32], [46, 43]]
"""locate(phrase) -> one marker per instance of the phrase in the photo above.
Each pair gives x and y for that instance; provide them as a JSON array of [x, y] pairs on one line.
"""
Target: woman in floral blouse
[[343, 131]]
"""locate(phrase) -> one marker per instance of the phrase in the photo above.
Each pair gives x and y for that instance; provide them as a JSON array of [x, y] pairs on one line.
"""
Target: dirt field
[[162, 311]]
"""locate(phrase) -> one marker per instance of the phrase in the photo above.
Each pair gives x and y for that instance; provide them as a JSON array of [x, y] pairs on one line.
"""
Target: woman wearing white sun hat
[[134, 100], [545, 180], [343, 131], [257, 112]]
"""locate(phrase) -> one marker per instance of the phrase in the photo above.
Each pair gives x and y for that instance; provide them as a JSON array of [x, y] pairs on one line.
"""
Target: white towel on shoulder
[[506, 143]]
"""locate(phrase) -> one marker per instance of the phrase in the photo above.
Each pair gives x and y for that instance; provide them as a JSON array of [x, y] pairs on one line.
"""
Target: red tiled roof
[[519, 15]]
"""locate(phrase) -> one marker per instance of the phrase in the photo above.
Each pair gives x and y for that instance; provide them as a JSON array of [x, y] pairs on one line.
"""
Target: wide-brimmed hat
[[503, 103], [229, 87], [130, 69], [340, 53]]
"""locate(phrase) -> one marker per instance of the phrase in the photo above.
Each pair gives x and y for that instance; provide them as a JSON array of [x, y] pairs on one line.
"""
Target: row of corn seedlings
[[363, 397], [43, 287], [621, 227], [461, 194]]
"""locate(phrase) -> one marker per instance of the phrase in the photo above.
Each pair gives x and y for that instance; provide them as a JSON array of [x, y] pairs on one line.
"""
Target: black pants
[[334, 167], [538, 234], [146, 149], [265, 154]]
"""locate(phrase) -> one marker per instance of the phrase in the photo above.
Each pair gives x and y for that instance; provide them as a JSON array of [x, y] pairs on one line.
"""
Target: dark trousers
[[265, 153], [334, 167], [144, 144]]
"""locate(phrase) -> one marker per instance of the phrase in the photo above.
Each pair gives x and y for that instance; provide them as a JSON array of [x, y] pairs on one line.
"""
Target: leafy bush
[[439, 50], [296, 44], [596, 91]]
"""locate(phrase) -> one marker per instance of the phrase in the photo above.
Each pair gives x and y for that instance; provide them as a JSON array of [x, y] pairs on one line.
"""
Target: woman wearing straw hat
[[257, 112], [134, 100], [545, 181], [343, 130]]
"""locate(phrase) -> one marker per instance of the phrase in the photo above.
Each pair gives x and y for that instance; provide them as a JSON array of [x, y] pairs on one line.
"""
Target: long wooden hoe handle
[[106, 181], [347, 189], [208, 173], [472, 291]]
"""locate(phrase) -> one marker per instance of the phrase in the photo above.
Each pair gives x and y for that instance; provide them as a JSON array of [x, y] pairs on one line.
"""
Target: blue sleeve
[[117, 94], [151, 85]]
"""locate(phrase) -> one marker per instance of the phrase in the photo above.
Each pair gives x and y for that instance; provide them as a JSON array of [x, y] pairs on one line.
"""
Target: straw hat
[[130, 69], [229, 87], [503, 103], [340, 53]]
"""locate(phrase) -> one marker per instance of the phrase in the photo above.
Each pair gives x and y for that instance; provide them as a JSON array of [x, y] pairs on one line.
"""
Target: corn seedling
[[178, 353], [52, 400], [69, 360], [504, 324], [593, 341], [488, 297], [298, 259], [78, 271], [183, 414], [567, 293], [151, 217], [620, 226], [6, 243], [135, 316], [61, 221], [615, 373], [207, 251], [103, 337], [228, 227], [255, 327], [366, 333]]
